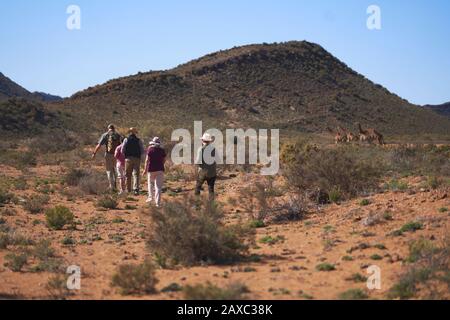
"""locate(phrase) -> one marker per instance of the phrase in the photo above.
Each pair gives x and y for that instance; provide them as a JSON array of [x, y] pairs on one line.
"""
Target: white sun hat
[[156, 141], [207, 137]]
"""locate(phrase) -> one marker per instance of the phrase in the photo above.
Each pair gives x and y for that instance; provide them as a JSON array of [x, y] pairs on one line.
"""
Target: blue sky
[[410, 55]]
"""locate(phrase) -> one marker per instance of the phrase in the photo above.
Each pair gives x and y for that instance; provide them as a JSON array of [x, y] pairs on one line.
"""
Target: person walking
[[120, 168], [133, 151], [111, 140], [207, 170], [154, 168]]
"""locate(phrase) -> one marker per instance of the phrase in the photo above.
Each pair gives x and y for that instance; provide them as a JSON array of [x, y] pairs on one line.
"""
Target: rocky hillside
[[295, 85], [442, 109], [25, 118], [10, 89]]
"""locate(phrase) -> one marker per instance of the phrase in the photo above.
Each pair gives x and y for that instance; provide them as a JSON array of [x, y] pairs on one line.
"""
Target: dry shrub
[[421, 159], [328, 173], [234, 291], [191, 233], [135, 279], [428, 274], [93, 184], [36, 204], [265, 202]]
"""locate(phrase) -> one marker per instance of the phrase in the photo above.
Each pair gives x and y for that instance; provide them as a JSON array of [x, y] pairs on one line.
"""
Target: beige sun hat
[[207, 137]]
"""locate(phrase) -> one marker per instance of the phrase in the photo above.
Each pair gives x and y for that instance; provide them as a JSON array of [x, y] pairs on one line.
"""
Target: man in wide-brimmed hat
[[133, 150], [154, 168], [110, 139], [207, 170]]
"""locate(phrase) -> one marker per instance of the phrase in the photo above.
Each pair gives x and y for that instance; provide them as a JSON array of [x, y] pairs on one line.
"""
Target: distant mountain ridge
[[294, 85], [10, 89], [442, 109]]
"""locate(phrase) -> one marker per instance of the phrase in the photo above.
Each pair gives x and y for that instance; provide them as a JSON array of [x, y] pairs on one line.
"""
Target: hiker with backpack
[[206, 166], [111, 140], [154, 168], [133, 150]]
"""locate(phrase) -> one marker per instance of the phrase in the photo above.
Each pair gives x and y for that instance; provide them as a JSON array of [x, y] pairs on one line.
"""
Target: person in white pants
[[154, 168]]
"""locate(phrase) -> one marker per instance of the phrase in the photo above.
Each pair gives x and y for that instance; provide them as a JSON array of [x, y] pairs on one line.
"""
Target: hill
[[294, 86], [442, 109], [25, 118], [10, 89]]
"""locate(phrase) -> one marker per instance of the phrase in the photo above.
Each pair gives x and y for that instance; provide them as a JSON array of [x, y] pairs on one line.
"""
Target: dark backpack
[[112, 142], [132, 147]]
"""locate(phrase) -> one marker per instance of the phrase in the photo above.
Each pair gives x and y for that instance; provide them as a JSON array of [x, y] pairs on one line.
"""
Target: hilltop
[[296, 86], [10, 89]]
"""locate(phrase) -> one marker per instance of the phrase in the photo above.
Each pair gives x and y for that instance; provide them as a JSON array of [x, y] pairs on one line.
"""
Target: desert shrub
[[411, 227], [428, 272], [327, 171], [73, 176], [5, 197], [135, 279], [56, 141], [93, 184], [420, 159], [107, 202], [58, 217], [353, 294], [36, 203], [263, 203], [16, 262], [325, 267], [235, 291], [191, 233], [57, 287], [46, 254], [18, 159]]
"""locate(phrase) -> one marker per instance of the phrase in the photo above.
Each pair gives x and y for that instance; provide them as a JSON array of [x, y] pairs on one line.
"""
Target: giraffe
[[370, 135]]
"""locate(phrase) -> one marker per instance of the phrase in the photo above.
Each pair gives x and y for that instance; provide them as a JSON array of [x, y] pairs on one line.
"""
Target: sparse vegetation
[[36, 204], [427, 275], [209, 291], [353, 294], [325, 267], [191, 233], [107, 202], [338, 174], [16, 262], [58, 217], [135, 279]]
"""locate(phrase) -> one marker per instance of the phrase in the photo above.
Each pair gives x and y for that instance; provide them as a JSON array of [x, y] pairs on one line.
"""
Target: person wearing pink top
[[120, 166]]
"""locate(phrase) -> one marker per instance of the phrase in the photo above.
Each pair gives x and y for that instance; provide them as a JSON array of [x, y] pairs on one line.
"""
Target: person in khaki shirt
[[111, 140], [207, 168]]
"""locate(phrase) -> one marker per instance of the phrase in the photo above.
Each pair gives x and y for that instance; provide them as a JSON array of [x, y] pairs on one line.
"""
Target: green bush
[[16, 262], [325, 267], [353, 294], [411, 227], [190, 233], [135, 279], [58, 217], [209, 291]]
